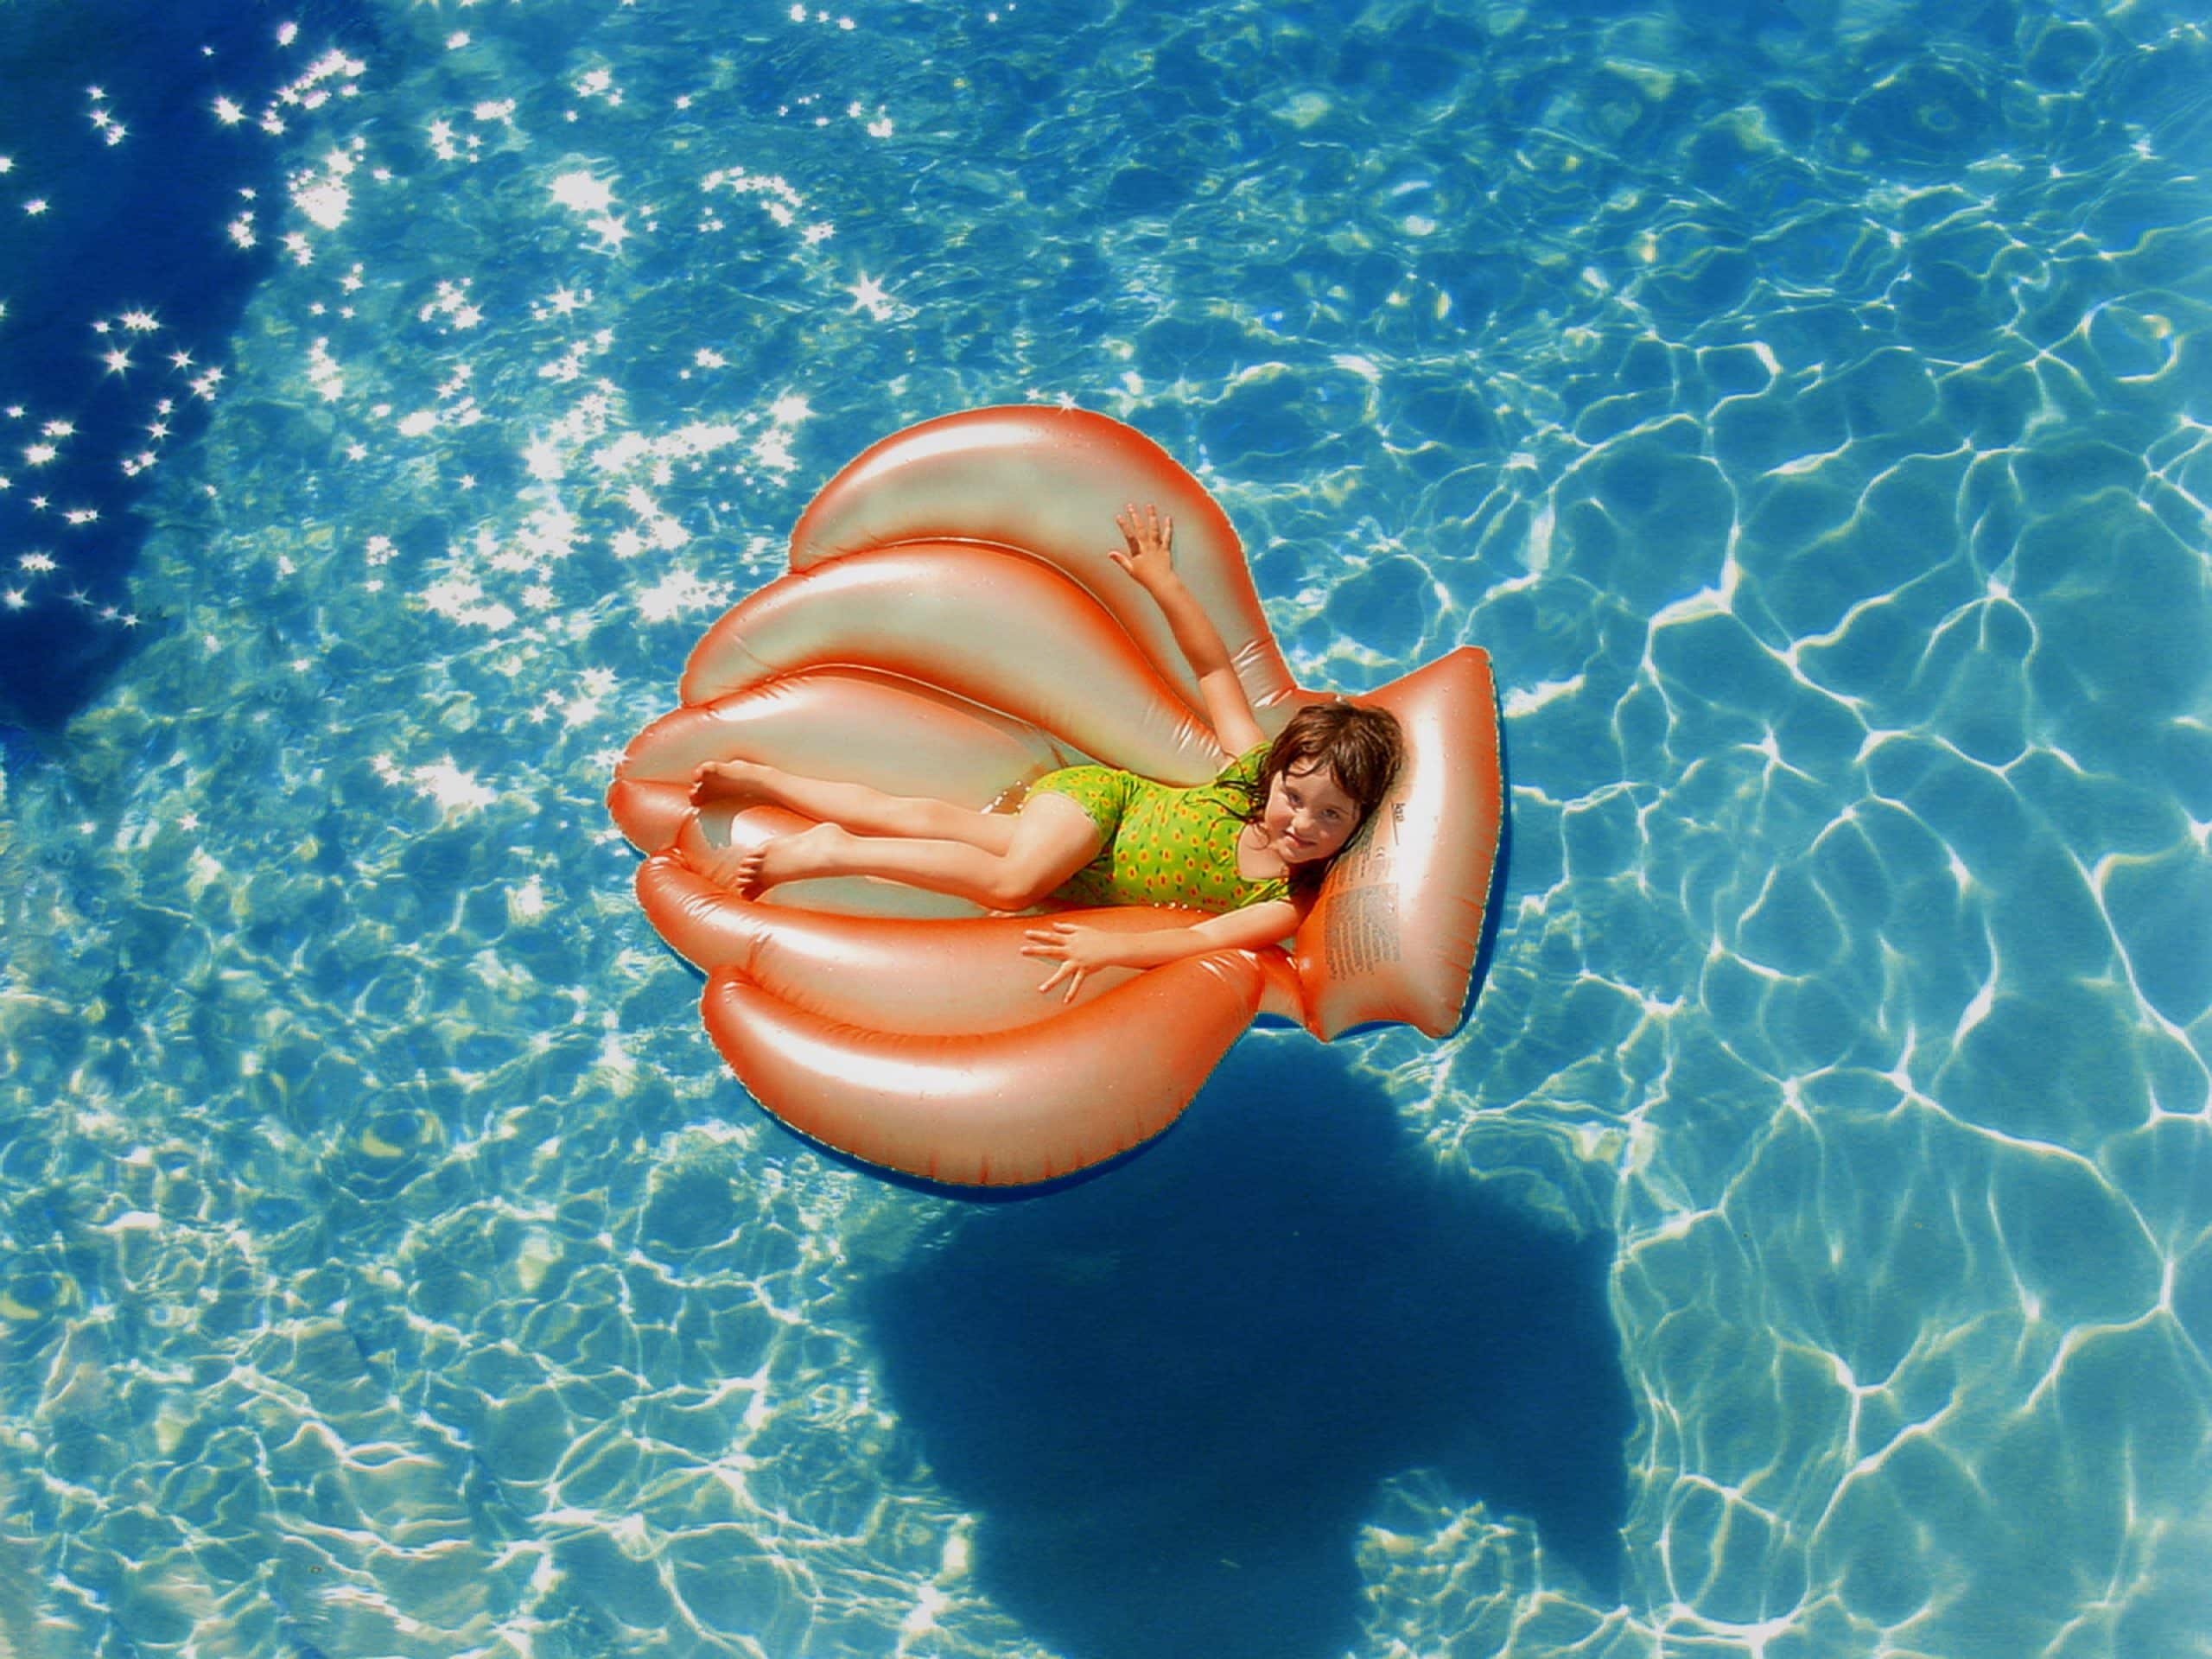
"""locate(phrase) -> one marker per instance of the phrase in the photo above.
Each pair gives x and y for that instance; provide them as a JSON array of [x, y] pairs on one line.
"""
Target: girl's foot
[[790, 858], [736, 782]]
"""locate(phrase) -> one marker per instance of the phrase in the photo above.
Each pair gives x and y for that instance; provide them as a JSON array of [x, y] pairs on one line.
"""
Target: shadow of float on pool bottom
[[1169, 1393]]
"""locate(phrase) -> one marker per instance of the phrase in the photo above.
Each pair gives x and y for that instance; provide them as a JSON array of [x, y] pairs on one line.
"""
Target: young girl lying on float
[[1251, 847]]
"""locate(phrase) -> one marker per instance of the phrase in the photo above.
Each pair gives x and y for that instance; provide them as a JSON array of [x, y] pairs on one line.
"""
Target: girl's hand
[[1150, 540], [1078, 950]]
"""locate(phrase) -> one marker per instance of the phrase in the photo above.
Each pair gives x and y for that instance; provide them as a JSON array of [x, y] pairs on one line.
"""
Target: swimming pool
[[1803, 1248]]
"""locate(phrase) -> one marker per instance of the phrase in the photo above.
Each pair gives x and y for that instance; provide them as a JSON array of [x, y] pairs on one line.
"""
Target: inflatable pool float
[[952, 627]]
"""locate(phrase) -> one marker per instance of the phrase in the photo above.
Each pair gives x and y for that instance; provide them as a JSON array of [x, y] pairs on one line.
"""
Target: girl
[[1251, 847]]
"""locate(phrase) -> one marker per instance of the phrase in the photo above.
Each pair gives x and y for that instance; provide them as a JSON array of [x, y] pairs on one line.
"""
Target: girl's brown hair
[[1363, 748]]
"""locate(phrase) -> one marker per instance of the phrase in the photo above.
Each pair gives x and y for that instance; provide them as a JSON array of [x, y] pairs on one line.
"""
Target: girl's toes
[[749, 878], [722, 780]]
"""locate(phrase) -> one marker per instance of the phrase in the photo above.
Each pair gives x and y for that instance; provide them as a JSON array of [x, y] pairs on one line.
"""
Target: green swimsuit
[[1164, 845]]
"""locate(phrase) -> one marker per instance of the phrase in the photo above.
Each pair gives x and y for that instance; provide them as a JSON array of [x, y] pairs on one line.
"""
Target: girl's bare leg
[[1051, 839], [856, 807]]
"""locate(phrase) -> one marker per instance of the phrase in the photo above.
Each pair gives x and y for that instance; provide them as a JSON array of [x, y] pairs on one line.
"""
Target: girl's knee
[[1012, 886], [1051, 839]]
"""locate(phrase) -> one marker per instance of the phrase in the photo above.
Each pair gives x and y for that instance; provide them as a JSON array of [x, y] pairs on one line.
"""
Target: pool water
[[1805, 1249]]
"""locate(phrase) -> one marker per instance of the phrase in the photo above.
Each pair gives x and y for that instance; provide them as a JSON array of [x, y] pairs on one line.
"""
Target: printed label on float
[[1362, 932], [1362, 929]]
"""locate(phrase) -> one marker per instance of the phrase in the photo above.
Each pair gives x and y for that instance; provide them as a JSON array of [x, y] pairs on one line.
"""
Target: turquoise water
[[1804, 1250]]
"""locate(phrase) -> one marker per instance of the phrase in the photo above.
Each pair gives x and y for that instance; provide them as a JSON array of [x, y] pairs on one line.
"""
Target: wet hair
[[1363, 749]]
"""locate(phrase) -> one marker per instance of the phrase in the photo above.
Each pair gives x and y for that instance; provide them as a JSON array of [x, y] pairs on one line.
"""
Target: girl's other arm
[[1078, 948], [1150, 561]]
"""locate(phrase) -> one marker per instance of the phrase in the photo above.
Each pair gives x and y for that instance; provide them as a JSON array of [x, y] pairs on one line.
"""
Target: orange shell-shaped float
[[952, 627]]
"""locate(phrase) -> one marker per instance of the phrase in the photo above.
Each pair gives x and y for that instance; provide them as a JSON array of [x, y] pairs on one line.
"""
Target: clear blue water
[[1805, 1249]]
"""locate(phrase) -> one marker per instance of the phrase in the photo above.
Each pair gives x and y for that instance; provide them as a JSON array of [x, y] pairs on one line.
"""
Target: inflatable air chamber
[[952, 627]]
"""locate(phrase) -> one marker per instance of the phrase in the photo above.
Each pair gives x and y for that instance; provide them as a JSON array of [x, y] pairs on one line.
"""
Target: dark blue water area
[[1170, 1394], [131, 234]]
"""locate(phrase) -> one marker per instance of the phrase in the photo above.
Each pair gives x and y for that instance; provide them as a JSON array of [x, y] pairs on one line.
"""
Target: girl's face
[[1308, 815]]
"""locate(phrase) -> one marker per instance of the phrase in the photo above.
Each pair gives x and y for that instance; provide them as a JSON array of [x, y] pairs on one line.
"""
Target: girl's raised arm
[[1150, 561]]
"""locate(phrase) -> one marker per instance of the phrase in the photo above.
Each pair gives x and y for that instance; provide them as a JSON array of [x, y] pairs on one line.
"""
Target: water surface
[[1802, 1251]]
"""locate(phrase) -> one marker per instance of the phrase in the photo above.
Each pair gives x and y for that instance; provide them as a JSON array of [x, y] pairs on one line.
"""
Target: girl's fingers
[[1144, 530], [1048, 944], [1053, 941]]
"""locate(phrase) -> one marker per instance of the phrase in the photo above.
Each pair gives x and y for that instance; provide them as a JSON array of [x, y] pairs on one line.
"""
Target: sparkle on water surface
[[1805, 1250]]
